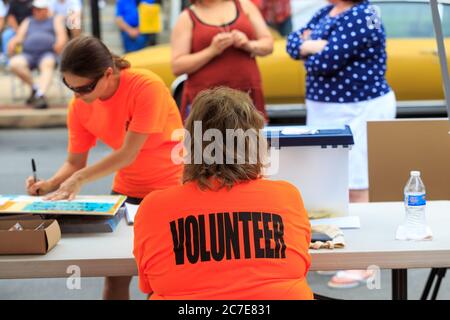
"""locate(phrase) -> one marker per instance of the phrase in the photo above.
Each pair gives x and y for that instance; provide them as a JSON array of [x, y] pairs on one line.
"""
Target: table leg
[[399, 284]]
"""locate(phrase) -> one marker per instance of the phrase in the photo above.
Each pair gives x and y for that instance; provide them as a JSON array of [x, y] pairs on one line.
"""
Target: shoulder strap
[[238, 6], [192, 15]]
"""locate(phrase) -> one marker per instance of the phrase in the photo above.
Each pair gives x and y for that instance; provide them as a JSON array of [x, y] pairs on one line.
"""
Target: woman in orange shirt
[[131, 111], [226, 233]]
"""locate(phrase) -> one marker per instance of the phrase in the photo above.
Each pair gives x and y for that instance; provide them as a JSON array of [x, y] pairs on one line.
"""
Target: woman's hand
[[133, 32], [240, 40], [58, 48], [67, 190], [11, 48], [221, 42], [39, 188], [312, 47], [306, 35]]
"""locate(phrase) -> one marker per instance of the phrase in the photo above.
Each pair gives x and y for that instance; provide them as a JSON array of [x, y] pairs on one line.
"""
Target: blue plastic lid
[[294, 136]]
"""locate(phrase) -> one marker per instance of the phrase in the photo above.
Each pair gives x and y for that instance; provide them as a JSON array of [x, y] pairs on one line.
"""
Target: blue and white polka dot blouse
[[352, 66]]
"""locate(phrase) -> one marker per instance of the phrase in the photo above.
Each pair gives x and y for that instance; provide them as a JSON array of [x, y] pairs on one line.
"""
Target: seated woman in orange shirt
[[226, 233], [131, 111]]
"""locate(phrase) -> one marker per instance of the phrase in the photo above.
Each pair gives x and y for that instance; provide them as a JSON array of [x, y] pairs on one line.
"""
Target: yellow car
[[413, 63]]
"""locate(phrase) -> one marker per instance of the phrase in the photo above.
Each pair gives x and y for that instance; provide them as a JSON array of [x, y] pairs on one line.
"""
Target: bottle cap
[[415, 173]]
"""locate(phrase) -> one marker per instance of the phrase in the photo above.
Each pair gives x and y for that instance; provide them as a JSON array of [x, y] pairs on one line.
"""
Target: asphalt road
[[48, 148]]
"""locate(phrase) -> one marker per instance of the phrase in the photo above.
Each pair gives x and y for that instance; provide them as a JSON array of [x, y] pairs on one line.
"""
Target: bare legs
[[117, 288], [46, 68], [19, 66]]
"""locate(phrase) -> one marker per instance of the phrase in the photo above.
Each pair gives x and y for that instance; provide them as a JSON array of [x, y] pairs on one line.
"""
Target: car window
[[401, 19], [446, 20], [411, 20], [407, 20]]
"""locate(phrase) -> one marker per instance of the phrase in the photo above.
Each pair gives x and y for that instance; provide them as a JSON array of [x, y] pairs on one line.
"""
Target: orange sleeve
[[144, 285], [141, 233], [80, 139], [303, 218], [151, 108]]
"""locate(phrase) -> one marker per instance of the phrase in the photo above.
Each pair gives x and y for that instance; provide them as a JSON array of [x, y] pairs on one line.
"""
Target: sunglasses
[[83, 89]]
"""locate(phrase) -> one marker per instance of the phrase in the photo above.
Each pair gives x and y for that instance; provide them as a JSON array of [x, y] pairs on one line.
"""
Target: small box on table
[[28, 236]]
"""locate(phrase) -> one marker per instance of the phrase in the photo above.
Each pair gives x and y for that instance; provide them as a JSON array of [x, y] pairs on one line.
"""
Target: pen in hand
[[33, 167]]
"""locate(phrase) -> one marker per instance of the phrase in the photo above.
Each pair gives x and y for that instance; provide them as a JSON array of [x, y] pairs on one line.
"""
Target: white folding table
[[374, 244]]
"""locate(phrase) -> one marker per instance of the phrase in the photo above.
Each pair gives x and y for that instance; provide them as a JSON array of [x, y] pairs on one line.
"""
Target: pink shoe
[[326, 273], [349, 279]]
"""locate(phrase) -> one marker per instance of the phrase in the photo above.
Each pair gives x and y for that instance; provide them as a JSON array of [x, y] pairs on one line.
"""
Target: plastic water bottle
[[415, 204]]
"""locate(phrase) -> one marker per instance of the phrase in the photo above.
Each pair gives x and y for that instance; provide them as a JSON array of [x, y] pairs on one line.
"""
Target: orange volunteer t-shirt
[[142, 104], [250, 242]]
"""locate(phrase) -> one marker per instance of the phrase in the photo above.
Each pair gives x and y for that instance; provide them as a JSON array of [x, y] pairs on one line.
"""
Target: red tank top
[[234, 68]]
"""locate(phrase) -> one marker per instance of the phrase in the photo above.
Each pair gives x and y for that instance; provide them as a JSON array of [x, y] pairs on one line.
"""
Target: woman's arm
[[74, 163], [296, 39], [12, 22], [117, 160], [183, 61], [310, 47], [123, 26], [263, 45], [61, 34], [344, 45], [19, 37]]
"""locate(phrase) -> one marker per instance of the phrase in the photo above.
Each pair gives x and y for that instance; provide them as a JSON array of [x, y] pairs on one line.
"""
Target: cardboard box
[[395, 147], [29, 240]]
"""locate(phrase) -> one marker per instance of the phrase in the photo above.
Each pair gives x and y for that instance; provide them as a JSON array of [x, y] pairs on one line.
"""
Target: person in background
[[127, 19], [43, 38], [250, 235], [131, 111], [71, 11], [18, 11], [4, 5], [277, 13], [344, 52], [215, 43]]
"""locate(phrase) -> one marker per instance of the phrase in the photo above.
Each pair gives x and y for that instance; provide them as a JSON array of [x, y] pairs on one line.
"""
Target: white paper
[[296, 131], [3, 200], [404, 233], [131, 212], [348, 222]]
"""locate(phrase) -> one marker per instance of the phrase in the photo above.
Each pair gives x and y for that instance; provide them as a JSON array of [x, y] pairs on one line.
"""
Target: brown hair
[[224, 108], [88, 57]]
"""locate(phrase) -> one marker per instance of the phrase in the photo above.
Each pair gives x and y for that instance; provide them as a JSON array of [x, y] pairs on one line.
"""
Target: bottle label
[[416, 200]]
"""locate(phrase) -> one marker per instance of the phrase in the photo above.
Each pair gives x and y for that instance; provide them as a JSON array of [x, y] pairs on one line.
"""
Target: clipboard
[[106, 206]]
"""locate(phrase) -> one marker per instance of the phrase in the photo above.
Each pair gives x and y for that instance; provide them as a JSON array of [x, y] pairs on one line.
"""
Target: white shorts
[[356, 115]]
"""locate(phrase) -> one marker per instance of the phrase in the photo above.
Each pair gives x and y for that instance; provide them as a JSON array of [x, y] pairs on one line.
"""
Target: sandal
[[349, 279]]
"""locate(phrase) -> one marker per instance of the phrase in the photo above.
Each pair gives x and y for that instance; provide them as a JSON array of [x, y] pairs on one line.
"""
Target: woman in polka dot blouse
[[344, 52]]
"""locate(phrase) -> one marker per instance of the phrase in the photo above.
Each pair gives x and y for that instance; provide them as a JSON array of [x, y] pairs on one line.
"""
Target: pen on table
[[33, 167]]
